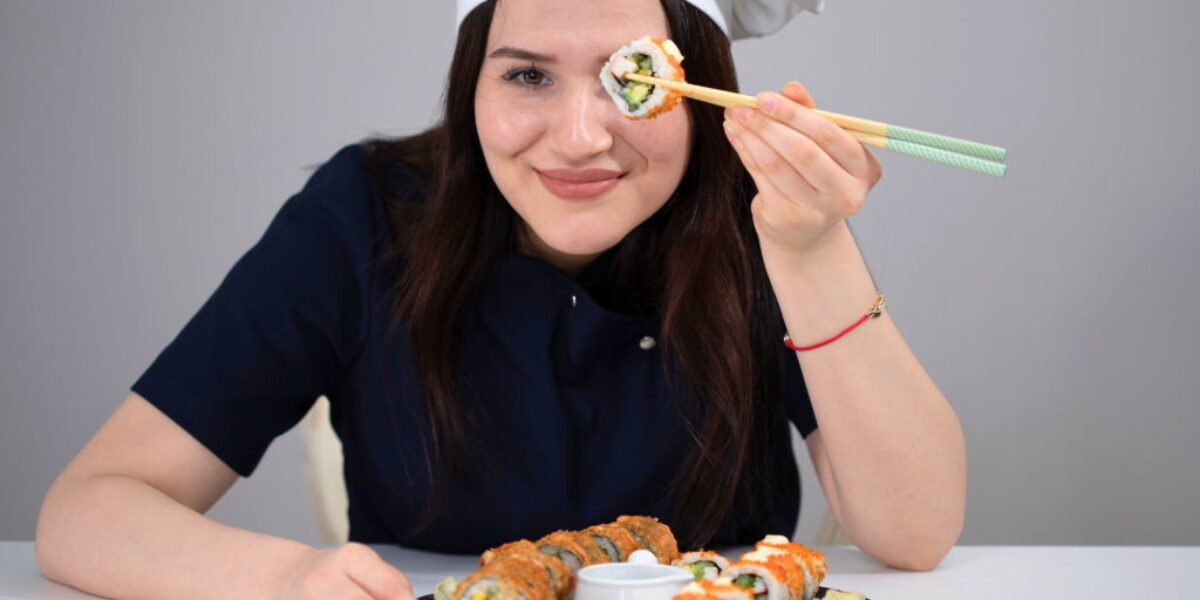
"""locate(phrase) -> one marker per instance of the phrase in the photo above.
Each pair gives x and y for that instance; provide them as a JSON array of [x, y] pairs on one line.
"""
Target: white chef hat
[[737, 18]]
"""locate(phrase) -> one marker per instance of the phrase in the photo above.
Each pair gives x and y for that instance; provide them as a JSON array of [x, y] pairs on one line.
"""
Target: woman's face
[[580, 175]]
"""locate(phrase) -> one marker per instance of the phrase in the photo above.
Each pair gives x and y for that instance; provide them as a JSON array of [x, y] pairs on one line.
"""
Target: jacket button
[[646, 343]]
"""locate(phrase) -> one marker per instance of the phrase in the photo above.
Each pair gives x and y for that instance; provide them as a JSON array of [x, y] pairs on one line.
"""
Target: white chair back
[[323, 472]]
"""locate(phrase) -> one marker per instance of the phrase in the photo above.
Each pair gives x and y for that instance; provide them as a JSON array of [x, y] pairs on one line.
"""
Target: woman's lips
[[578, 184]]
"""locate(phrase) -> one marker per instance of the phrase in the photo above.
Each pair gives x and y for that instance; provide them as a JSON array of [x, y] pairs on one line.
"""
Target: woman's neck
[[530, 244]]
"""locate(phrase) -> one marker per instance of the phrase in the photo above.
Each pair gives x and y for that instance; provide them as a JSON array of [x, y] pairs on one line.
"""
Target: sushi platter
[[638, 558]]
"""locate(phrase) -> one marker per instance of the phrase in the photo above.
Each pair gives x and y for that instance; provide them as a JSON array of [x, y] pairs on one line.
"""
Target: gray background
[[144, 146]]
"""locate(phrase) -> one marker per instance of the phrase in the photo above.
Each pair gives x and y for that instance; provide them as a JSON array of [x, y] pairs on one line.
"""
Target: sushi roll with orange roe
[[768, 576], [704, 564], [720, 589], [646, 56], [812, 561]]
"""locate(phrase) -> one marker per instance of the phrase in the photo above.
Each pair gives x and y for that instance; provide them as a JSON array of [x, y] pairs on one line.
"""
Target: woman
[[538, 315]]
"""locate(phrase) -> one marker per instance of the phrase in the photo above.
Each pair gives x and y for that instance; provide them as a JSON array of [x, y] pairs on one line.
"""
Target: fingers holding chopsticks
[[810, 173], [791, 108], [934, 147], [773, 173], [797, 92]]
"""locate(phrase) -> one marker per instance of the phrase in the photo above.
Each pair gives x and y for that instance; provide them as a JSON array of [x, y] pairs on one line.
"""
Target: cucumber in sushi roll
[[704, 564], [561, 577], [772, 579], [506, 577], [811, 561], [595, 553], [616, 541], [646, 56], [563, 545]]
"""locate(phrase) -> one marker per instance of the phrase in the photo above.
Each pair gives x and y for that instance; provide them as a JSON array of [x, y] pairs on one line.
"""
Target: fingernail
[[766, 101], [728, 128], [740, 113]]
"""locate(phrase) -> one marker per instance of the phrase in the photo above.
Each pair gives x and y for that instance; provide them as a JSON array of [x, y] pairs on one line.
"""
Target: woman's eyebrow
[[520, 53]]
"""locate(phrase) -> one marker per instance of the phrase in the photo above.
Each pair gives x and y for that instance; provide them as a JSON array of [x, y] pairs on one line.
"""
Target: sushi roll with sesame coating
[[616, 541], [645, 56], [529, 571], [653, 535], [563, 545], [560, 574], [517, 547], [507, 577], [595, 552], [483, 585]]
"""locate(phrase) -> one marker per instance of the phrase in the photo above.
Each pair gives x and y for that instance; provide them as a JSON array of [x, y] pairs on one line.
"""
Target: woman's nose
[[583, 125]]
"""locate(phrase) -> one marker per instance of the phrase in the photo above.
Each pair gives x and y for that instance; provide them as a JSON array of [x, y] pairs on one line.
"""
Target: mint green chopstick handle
[[946, 157], [945, 142]]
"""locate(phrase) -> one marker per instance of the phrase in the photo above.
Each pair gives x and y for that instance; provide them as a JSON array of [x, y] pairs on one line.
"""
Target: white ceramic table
[[969, 572]]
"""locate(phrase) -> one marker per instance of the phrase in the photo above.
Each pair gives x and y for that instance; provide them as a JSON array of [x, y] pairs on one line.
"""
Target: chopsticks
[[943, 149]]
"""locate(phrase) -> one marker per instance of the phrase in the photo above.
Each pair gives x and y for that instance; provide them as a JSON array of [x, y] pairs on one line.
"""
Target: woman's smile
[[579, 184], [578, 174]]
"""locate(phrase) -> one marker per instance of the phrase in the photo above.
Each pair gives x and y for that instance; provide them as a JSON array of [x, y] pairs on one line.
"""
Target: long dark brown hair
[[697, 259]]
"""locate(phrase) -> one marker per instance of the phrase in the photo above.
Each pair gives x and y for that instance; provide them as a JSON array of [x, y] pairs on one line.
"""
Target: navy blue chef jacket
[[573, 392]]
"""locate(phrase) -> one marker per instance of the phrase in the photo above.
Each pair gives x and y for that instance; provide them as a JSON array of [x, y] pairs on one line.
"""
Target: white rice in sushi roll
[[703, 564], [763, 583], [647, 56]]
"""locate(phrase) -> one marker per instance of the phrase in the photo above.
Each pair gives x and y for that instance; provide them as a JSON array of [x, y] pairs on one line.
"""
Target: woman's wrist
[[286, 558], [821, 289], [831, 247]]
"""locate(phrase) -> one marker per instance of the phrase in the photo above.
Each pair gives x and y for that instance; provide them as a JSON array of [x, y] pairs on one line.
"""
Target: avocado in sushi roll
[[645, 56]]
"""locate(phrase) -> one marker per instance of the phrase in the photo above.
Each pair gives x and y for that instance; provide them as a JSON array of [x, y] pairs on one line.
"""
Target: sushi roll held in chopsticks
[[647, 56]]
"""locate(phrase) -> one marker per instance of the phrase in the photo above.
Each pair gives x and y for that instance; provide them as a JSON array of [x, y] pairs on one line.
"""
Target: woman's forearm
[[894, 455], [119, 537]]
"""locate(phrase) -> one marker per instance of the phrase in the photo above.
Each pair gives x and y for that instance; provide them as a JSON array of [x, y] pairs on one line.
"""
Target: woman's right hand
[[348, 572], [121, 522]]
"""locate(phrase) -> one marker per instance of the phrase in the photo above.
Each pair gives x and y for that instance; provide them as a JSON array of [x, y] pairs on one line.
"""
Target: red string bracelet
[[875, 311]]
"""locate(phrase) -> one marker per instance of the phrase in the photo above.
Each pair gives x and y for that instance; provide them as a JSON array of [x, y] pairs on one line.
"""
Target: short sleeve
[[794, 392], [281, 328]]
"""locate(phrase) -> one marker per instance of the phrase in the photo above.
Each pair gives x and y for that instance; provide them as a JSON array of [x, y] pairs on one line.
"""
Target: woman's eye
[[528, 76]]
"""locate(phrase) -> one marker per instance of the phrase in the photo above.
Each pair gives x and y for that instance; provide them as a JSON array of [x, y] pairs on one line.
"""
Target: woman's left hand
[[811, 174]]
